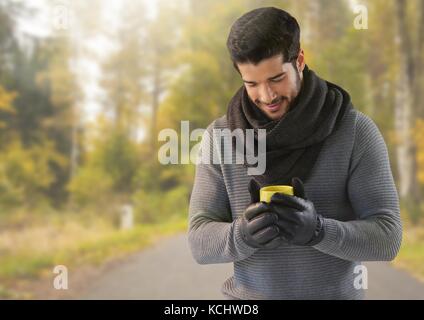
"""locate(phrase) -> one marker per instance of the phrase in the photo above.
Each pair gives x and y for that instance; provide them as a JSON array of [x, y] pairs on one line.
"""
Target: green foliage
[[124, 69], [37, 92], [118, 157], [7, 113], [26, 174], [159, 207], [202, 91], [90, 185], [109, 170], [6, 99]]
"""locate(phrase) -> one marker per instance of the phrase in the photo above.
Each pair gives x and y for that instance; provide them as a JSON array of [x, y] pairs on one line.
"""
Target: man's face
[[273, 85]]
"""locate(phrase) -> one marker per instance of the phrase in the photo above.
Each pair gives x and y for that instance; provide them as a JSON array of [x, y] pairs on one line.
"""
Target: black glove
[[258, 224], [254, 189], [259, 228], [297, 216]]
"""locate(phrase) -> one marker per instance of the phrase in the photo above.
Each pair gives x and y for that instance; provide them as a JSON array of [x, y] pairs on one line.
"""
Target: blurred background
[[86, 86]]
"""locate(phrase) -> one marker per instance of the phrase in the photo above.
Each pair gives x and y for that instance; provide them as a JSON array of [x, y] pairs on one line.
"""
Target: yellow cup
[[266, 193]]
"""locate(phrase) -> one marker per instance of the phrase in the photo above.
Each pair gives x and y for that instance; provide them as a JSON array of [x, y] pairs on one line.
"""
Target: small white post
[[127, 217]]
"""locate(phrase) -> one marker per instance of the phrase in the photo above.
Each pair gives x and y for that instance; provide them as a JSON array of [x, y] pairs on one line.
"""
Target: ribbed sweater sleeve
[[376, 234], [213, 236]]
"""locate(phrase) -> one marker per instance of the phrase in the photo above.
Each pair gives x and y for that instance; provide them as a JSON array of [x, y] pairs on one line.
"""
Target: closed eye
[[252, 85]]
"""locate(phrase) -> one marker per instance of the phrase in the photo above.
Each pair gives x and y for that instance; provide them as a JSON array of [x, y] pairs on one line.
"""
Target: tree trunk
[[74, 145], [156, 91], [404, 109], [419, 80]]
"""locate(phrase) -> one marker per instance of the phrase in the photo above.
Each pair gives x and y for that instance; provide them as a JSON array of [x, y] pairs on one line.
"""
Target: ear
[[298, 188], [300, 62]]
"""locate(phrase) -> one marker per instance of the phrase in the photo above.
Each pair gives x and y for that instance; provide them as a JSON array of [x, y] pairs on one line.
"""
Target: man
[[345, 207]]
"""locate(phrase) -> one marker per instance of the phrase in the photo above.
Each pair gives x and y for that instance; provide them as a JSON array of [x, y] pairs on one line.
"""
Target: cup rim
[[276, 188]]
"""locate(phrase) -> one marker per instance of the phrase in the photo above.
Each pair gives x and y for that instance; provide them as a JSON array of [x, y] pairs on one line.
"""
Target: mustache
[[275, 101]]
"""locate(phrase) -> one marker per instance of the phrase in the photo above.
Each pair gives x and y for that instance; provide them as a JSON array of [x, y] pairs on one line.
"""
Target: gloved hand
[[297, 216], [258, 224]]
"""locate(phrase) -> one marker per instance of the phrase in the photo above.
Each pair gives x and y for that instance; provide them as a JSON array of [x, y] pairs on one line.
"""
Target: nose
[[267, 95]]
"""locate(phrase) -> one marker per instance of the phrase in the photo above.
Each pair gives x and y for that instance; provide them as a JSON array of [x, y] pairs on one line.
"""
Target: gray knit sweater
[[351, 185]]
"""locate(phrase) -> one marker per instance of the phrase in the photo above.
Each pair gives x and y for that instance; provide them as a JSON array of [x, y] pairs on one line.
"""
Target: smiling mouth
[[273, 107]]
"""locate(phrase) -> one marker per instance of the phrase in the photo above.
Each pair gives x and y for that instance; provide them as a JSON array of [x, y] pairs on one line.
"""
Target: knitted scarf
[[293, 142]]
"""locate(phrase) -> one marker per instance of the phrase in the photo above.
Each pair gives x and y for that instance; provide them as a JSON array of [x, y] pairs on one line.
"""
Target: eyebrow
[[272, 78]]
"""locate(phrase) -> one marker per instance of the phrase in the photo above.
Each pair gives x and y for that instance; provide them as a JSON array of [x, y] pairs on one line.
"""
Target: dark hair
[[263, 33]]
